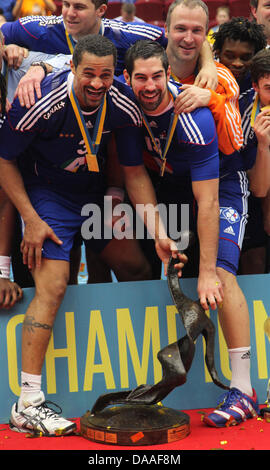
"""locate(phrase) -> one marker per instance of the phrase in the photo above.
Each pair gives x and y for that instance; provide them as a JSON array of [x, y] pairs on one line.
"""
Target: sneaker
[[235, 408], [39, 418]]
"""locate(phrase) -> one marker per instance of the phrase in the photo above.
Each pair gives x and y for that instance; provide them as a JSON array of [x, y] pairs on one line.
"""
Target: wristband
[[40, 64], [5, 267], [116, 193]]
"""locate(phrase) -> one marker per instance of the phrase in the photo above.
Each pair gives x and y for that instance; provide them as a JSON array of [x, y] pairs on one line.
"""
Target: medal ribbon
[[71, 42], [92, 146], [172, 125], [255, 110]]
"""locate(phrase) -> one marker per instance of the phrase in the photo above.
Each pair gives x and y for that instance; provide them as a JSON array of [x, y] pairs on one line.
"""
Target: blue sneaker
[[235, 408]]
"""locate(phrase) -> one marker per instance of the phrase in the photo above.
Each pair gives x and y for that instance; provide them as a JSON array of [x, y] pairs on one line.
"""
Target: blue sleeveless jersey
[[47, 141], [48, 34]]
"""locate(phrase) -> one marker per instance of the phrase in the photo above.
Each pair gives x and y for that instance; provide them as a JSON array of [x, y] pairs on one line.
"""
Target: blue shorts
[[233, 201], [64, 217]]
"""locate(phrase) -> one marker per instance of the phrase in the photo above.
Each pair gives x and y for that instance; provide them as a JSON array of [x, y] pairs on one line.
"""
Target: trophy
[[135, 417], [265, 412]]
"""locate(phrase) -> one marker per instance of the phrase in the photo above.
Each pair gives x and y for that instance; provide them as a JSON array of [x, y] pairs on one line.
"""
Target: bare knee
[[52, 293]]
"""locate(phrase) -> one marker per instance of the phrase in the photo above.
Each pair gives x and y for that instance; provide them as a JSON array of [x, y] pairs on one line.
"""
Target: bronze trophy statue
[[138, 418]]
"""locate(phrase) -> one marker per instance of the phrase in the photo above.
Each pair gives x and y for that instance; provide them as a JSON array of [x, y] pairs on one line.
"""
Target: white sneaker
[[38, 418]]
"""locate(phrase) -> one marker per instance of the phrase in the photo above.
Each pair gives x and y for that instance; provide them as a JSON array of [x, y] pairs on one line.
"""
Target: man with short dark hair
[[186, 26], [191, 154], [60, 168]]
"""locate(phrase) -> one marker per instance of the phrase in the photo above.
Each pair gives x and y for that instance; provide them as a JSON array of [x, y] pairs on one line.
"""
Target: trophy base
[[135, 425]]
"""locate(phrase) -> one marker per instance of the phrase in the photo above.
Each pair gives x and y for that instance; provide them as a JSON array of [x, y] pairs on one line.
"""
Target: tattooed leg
[[50, 281]]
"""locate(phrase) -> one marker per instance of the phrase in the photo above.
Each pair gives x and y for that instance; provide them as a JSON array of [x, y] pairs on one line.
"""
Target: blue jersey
[[48, 144], [193, 151], [7, 7], [249, 151], [48, 34]]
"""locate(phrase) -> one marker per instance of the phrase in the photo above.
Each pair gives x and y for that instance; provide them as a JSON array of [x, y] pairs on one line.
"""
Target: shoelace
[[229, 398], [47, 411]]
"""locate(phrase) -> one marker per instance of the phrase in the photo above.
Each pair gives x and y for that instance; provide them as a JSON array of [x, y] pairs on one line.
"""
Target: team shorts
[[63, 215], [233, 201]]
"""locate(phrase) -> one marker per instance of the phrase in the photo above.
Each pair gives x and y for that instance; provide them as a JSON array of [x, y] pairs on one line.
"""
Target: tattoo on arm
[[30, 324]]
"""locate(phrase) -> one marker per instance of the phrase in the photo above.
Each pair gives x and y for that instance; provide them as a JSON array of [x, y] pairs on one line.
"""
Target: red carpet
[[253, 434]]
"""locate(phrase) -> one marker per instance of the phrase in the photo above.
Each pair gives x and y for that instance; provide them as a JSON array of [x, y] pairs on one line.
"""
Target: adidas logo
[[246, 355], [229, 230], [26, 384]]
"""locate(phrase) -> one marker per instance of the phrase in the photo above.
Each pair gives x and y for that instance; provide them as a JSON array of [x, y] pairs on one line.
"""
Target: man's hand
[[166, 248], [262, 128], [210, 290], [190, 98], [14, 55], [28, 85], [207, 77], [36, 232], [10, 293]]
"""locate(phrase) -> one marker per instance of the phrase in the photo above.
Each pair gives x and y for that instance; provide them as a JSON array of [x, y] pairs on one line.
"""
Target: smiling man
[[59, 34], [186, 25], [260, 10], [50, 167], [192, 155]]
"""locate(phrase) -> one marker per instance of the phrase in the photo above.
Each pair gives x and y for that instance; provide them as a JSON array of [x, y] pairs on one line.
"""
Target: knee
[[135, 271], [228, 280], [52, 293]]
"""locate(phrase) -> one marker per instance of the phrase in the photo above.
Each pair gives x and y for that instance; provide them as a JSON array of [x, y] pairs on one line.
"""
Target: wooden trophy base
[[135, 425]]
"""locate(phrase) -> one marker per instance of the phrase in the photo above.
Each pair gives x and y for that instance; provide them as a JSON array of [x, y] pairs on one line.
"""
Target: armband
[[5, 267], [40, 64]]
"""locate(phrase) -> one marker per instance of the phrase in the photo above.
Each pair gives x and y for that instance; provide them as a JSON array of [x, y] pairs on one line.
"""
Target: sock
[[240, 367], [30, 388]]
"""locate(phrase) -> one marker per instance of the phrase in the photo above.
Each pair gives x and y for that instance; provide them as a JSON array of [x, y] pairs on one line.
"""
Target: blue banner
[[106, 338]]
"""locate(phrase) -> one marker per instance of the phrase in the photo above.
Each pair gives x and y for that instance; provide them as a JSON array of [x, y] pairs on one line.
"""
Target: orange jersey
[[34, 7], [225, 109]]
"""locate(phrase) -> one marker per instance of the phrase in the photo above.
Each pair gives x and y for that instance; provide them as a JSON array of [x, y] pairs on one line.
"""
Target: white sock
[[240, 367], [30, 388]]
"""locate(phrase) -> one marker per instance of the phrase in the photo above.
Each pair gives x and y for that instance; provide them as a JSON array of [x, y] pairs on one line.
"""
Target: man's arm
[[10, 292], [207, 76], [223, 103], [209, 285], [36, 230], [17, 9]]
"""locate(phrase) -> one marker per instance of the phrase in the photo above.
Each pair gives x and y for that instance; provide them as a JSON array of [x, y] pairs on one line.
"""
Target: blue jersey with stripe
[[48, 34], [194, 148], [47, 141], [249, 150]]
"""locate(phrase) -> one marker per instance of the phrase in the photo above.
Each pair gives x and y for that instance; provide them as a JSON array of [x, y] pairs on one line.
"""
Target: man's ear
[[255, 86], [166, 30], [253, 12], [101, 10], [168, 73], [127, 76]]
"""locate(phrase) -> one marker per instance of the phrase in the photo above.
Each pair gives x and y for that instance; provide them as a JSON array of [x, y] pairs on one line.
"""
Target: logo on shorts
[[229, 230], [229, 214]]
